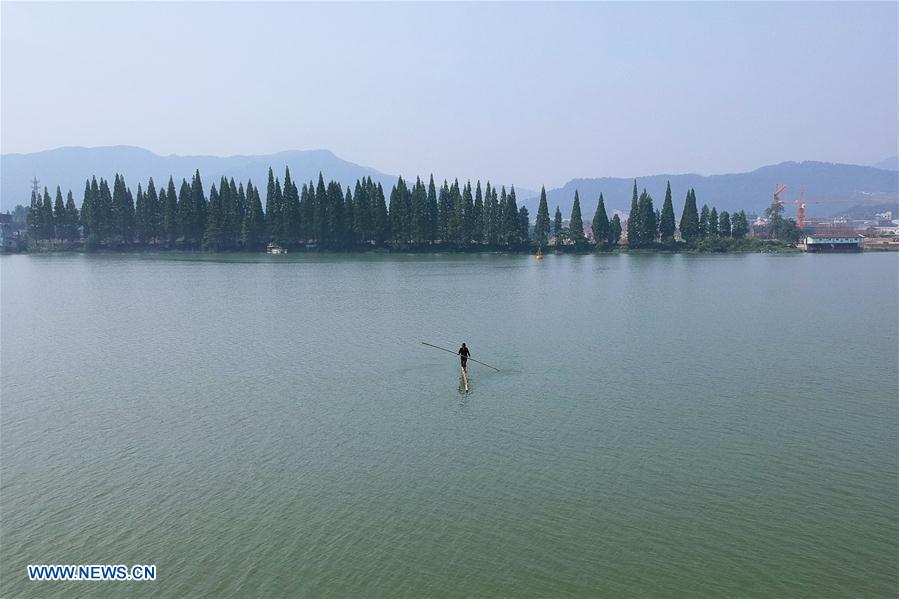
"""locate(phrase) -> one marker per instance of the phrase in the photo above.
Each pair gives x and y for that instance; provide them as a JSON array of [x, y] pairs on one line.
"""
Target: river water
[[661, 425]]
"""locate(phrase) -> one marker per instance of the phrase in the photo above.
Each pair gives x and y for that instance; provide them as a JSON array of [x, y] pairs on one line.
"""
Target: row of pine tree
[[232, 216]]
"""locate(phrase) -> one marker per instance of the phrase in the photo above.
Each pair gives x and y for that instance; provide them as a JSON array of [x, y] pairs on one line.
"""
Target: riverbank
[[706, 246]]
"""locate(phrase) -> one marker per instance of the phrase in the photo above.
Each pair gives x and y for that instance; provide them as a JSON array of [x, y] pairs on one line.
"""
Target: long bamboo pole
[[457, 353]]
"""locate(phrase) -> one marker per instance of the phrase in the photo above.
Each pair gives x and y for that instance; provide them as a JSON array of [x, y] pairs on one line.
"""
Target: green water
[[663, 425]]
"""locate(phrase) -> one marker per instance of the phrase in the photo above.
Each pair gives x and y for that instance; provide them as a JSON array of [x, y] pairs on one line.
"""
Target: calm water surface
[[663, 425]]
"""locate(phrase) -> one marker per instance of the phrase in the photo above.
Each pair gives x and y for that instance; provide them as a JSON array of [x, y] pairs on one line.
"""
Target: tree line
[[233, 217]]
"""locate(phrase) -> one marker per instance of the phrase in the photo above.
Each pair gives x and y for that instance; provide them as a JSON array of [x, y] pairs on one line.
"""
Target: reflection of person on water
[[463, 356]]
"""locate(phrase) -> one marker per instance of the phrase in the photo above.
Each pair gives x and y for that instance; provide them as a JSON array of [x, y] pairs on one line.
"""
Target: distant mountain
[[69, 167], [738, 191], [890, 164]]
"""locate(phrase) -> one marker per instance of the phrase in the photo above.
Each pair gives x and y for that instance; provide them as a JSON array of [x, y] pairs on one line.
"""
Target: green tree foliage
[[634, 226], [433, 212], [704, 222], [666, 218], [601, 224], [214, 236], [170, 216], [541, 226], [780, 228], [615, 230], [689, 220], [724, 224], [739, 225], [524, 225], [59, 216], [558, 232], [71, 228], [576, 223], [253, 229], [712, 230]]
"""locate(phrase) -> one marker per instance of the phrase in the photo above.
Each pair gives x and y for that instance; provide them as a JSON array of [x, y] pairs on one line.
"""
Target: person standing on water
[[463, 356]]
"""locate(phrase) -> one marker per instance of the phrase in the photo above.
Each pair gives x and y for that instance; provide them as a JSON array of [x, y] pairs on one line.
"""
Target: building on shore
[[834, 242]]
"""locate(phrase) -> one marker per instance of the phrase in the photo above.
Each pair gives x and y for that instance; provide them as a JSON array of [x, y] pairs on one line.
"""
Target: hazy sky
[[524, 93]]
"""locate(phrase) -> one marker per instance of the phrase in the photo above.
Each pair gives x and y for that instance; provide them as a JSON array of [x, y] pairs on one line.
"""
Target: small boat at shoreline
[[274, 248]]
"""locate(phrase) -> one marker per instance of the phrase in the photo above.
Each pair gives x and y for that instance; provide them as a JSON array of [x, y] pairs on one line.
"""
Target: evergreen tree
[[349, 210], [60, 218], [153, 212], [363, 213], [456, 213], [491, 216], [49, 226], [71, 232], [634, 224], [576, 223], [510, 218], [397, 211], [254, 226], [272, 209], [104, 210], [558, 233], [381, 222], [689, 220], [666, 218], [335, 210], [198, 199], [320, 218], [432, 212], [35, 217], [291, 214], [170, 217], [467, 214], [647, 219], [739, 225], [615, 230], [713, 223], [724, 224], [704, 222], [185, 214], [419, 233], [524, 225], [541, 226], [140, 216], [601, 224], [214, 237], [477, 215]]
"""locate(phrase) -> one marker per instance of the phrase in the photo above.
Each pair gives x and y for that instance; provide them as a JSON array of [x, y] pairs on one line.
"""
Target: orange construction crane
[[800, 203]]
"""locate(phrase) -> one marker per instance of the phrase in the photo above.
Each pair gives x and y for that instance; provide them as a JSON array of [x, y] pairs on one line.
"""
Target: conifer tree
[[739, 225], [541, 225], [576, 222], [510, 219], [170, 218], [140, 216], [689, 220], [35, 217], [153, 212], [634, 224], [491, 215], [291, 215], [432, 212], [647, 219], [198, 199], [477, 216], [335, 209], [419, 233], [444, 208], [272, 209], [601, 224], [213, 238], [467, 214], [59, 216], [349, 209], [382, 222], [185, 214], [320, 218], [724, 224], [71, 233], [254, 226], [558, 233], [524, 225], [615, 230], [713, 223], [666, 218], [704, 222]]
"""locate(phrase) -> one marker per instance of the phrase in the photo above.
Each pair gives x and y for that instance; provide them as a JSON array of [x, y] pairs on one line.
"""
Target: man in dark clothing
[[463, 355]]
